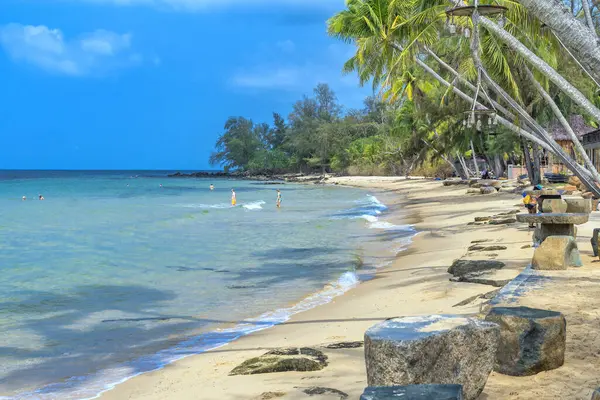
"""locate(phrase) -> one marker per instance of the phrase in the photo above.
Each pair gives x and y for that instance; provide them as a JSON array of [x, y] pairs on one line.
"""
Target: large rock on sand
[[432, 349], [283, 360], [464, 267], [556, 253], [531, 340], [409, 392], [454, 182], [487, 190]]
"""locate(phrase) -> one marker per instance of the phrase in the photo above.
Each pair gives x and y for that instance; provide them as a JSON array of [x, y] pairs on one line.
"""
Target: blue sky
[[132, 84]]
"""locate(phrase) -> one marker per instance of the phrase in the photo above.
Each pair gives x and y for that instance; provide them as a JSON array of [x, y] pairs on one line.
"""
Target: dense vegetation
[[431, 71]]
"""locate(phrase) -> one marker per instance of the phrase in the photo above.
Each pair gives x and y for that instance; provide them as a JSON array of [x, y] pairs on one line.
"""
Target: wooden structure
[[559, 134], [591, 144]]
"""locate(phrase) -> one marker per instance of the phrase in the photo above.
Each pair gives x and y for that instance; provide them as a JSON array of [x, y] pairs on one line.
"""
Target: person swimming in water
[[278, 198], [24, 198], [233, 198], [212, 187], [40, 197]]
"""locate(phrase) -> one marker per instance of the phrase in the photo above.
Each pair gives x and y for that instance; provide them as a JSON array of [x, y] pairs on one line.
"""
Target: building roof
[[556, 130]]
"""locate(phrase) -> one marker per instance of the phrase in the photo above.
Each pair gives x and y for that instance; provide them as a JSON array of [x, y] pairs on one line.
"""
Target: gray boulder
[[487, 190], [328, 392], [410, 392], [464, 267], [556, 253], [283, 360], [596, 394], [531, 340], [454, 182], [594, 241], [432, 349]]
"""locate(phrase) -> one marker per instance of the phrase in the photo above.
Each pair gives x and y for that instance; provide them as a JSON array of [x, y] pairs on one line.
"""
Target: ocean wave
[[255, 205], [205, 206], [92, 386]]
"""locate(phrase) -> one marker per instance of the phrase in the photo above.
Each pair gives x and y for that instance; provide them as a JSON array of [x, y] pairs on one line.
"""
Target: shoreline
[[97, 384], [356, 310]]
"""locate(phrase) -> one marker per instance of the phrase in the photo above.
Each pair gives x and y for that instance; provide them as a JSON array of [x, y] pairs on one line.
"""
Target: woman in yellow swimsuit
[[233, 199]]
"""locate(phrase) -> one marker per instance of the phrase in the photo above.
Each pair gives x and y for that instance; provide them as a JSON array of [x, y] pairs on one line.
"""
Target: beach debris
[[283, 360], [473, 191], [526, 246], [478, 247], [421, 392], [464, 267], [482, 219], [345, 345], [486, 296], [270, 395], [556, 253], [317, 391], [531, 340], [441, 349], [511, 212], [487, 190]]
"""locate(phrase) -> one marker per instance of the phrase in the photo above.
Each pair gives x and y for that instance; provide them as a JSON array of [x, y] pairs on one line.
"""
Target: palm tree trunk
[[565, 124], [537, 170], [553, 147], [528, 163], [588, 16], [572, 32], [564, 85], [475, 160]]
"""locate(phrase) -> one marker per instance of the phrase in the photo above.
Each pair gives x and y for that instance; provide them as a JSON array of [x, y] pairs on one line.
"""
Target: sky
[[149, 84]]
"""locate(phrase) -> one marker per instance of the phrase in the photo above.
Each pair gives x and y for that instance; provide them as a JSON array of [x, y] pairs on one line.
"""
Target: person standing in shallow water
[[212, 187], [278, 198], [233, 198]]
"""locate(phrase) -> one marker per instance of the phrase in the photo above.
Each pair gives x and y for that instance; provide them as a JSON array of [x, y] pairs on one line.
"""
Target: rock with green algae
[[283, 360]]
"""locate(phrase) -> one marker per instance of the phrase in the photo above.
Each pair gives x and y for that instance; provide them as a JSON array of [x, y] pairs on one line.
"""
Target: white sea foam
[[255, 205], [205, 206]]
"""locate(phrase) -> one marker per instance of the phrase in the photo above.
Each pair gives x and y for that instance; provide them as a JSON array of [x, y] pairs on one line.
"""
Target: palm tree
[[388, 34]]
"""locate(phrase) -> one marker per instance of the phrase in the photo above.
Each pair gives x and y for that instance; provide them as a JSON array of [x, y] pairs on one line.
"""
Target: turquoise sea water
[[113, 275]]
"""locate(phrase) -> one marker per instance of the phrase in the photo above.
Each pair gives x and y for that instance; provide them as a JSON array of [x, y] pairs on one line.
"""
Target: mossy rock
[[283, 360]]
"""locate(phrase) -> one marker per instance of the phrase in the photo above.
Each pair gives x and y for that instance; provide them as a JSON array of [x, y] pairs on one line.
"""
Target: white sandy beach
[[416, 284]]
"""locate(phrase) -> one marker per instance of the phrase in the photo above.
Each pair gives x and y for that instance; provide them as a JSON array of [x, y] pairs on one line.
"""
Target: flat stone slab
[[283, 360], [464, 267], [413, 392], [531, 340], [556, 253], [552, 218], [435, 349]]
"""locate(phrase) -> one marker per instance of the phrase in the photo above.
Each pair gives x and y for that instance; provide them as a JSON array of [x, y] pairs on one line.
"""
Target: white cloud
[[198, 5], [48, 49]]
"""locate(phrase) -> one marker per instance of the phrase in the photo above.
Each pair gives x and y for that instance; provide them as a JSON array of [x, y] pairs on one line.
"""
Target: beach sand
[[417, 283]]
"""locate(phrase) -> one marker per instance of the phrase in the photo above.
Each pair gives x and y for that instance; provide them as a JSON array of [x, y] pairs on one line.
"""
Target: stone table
[[554, 224]]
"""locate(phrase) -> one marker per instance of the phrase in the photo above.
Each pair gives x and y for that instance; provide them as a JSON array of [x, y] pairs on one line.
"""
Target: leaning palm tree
[[388, 36]]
